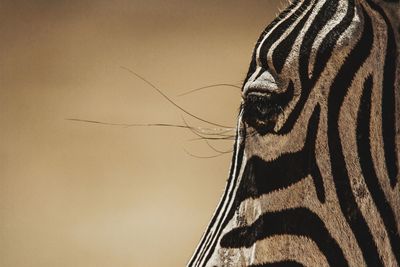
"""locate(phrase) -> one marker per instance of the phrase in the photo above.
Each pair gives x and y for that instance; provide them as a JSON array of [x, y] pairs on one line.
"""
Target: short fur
[[315, 172]]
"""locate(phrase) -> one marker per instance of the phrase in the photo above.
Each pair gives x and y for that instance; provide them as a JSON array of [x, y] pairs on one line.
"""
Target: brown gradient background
[[79, 194]]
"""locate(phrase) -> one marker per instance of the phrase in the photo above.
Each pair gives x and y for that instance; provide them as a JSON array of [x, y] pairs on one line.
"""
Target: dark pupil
[[261, 110]]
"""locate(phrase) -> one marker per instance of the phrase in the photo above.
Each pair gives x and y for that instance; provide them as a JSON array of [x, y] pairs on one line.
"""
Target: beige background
[[79, 194]]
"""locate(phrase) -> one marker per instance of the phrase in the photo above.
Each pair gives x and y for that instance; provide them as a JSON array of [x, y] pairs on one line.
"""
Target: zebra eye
[[261, 108]]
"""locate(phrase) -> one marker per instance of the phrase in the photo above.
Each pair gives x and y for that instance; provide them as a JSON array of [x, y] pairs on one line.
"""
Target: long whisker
[[143, 125], [170, 100], [217, 150], [212, 131], [230, 138], [203, 157], [202, 134], [209, 86]]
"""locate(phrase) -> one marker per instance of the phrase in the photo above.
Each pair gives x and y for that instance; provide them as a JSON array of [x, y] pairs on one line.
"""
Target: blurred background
[[81, 194]]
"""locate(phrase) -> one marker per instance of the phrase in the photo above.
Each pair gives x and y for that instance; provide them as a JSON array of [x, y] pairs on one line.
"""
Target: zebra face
[[294, 58], [314, 175]]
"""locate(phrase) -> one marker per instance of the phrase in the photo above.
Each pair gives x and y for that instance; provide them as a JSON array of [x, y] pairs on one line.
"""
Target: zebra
[[314, 178]]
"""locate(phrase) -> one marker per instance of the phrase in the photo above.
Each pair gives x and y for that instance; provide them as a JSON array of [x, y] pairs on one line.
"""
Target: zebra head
[[314, 175]]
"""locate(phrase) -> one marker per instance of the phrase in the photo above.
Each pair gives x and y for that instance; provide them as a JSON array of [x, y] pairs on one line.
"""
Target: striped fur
[[314, 179]]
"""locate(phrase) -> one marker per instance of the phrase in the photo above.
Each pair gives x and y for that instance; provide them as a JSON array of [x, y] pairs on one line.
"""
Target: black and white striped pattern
[[314, 179]]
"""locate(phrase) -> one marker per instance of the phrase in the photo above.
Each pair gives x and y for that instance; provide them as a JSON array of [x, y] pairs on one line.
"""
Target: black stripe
[[299, 222], [323, 55], [389, 106], [253, 63], [278, 31], [262, 177], [327, 11], [281, 52], [312, 128], [337, 92], [368, 170], [327, 46], [389, 100]]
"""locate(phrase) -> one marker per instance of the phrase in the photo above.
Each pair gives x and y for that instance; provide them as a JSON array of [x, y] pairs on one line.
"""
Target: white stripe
[[333, 22], [200, 250], [291, 28], [235, 183], [260, 44]]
